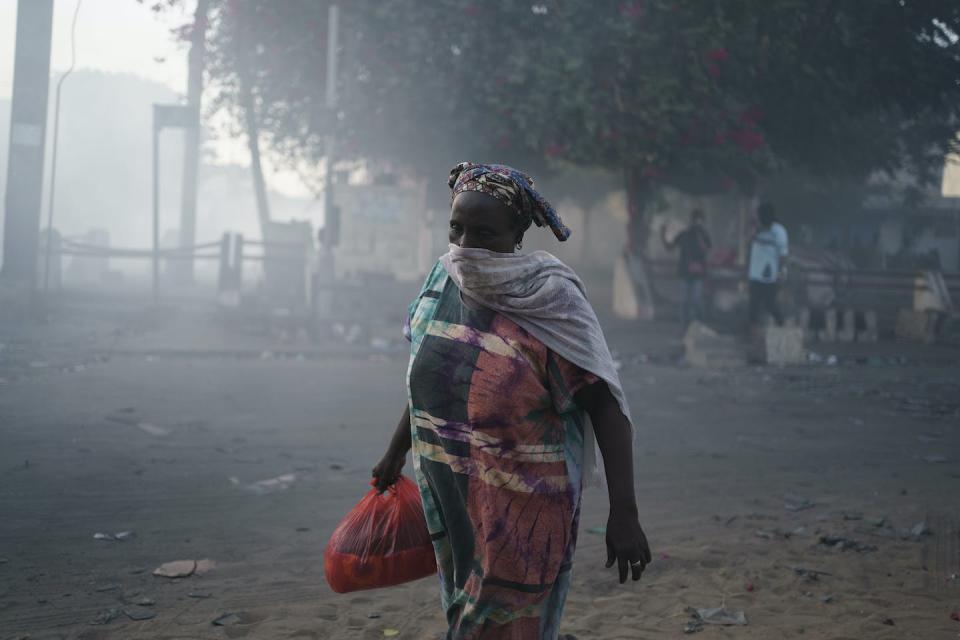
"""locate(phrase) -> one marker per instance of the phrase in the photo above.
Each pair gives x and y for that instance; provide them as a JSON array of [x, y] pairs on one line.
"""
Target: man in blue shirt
[[768, 255]]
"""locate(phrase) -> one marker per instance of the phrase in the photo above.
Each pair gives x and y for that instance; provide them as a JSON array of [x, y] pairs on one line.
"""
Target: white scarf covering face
[[547, 299]]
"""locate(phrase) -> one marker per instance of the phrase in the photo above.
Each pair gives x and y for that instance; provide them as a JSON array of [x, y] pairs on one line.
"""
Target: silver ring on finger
[[638, 563]]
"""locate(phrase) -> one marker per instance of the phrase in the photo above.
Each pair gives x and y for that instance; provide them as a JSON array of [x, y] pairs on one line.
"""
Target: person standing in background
[[768, 255], [694, 243]]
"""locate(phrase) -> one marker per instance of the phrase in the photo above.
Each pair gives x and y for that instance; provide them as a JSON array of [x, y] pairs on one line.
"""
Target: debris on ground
[[184, 568], [955, 616], [391, 633], [270, 485], [846, 544], [810, 574], [597, 531], [153, 430], [718, 615], [852, 515], [776, 533], [796, 503], [882, 532], [200, 595], [694, 626], [770, 534], [120, 536], [226, 620], [827, 599], [920, 529], [176, 569], [140, 614], [889, 622], [204, 566], [107, 616], [935, 458]]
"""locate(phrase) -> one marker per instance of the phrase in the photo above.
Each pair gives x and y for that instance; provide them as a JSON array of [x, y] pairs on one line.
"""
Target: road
[[99, 436]]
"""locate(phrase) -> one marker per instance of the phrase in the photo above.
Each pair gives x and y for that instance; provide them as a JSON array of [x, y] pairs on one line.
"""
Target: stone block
[[829, 331], [704, 347], [848, 326], [919, 326], [870, 332], [783, 345]]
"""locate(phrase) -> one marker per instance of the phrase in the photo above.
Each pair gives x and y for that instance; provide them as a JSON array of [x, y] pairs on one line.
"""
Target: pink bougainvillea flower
[[751, 115], [631, 9], [555, 150], [748, 140], [718, 55]]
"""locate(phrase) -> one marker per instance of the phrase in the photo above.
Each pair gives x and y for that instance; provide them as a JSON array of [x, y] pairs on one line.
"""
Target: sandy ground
[[100, 435]]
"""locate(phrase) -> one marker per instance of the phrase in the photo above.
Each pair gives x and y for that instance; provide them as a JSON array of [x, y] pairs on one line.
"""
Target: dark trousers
[[763, 297], [692, 300]]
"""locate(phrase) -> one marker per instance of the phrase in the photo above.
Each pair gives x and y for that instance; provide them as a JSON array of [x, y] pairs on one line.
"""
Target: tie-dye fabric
[[497, 454]]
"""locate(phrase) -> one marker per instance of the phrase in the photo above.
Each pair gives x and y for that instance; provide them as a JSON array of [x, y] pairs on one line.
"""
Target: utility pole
[[331, 215], [28, 129], [191, 140]]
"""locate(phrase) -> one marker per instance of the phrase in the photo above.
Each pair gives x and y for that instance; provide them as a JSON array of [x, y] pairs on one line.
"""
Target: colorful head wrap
[[511, 187]]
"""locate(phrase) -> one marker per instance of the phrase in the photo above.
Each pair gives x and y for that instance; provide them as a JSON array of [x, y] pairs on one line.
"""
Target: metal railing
[[846, 283], [231, 253]]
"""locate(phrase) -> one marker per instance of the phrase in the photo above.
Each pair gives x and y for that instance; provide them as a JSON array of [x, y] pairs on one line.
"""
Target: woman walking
[[510, 379]]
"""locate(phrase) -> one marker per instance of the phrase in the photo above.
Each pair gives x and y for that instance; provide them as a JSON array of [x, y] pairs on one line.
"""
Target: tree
[[704, 95]]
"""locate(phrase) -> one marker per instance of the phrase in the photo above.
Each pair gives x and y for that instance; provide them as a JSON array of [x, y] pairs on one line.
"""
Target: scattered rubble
[[120, 536], [226, 619], [184, 568], [796, 503], [846, 544], [270, 485], [718, 615]]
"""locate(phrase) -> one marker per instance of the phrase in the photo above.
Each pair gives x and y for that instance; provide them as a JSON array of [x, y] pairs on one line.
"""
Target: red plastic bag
[[383, 541]]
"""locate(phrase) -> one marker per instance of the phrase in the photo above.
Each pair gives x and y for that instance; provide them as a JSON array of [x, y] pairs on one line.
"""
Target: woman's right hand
[[387, 471]]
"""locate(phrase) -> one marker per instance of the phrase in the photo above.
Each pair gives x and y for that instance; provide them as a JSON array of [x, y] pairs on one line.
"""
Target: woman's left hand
[[627, 545]]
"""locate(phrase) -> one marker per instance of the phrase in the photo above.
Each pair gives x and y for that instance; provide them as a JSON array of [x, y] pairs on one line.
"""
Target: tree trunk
[[253, 141], [639, 194], [191, 147], [634, 300]]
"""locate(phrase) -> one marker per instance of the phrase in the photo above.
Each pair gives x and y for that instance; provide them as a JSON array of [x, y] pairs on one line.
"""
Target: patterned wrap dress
[[497, 442]]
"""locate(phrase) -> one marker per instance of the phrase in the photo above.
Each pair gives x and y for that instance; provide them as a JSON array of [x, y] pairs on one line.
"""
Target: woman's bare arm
[[388, 469], [626, 542]]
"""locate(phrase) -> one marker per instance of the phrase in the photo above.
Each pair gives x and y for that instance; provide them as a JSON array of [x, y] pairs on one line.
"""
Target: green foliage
[[701, 94]]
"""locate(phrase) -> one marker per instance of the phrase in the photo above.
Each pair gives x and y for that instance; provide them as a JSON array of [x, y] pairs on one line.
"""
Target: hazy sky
[[124, 36], [112, 35]]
